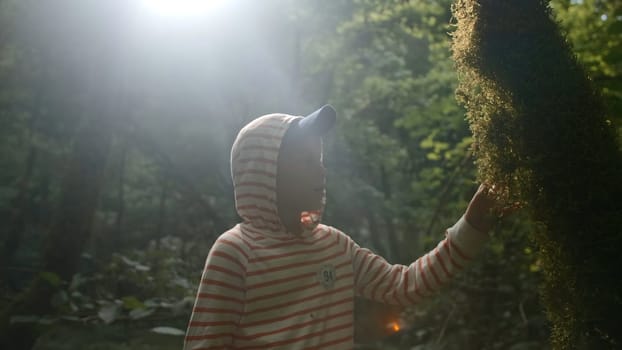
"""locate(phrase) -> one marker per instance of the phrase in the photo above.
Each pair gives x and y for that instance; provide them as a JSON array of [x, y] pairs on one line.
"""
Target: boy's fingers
[[489, 189], [509, 209], [482, 188]]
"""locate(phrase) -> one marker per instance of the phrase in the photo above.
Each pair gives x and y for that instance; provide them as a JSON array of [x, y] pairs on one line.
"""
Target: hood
[[254, 157]]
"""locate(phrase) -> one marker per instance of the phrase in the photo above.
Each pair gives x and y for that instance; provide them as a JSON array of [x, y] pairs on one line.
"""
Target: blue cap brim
[[320, 121]]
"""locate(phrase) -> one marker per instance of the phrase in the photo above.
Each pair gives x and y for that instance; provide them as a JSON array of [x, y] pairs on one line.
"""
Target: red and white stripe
[[266, 294], [261, 288]]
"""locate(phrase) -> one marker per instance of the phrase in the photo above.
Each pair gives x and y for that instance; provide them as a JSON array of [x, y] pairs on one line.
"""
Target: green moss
[[540, 132]]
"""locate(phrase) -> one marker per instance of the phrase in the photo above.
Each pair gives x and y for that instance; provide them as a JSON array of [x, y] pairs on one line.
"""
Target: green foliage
[[51, 278], [399, 162], [540, 131], [594, 28], [109, 337], [408, 123]]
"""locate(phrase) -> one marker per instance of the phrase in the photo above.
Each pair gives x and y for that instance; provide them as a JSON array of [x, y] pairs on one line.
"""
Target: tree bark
[[541, 132]]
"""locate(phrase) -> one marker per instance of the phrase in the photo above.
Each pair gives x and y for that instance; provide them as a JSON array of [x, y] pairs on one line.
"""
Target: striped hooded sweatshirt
[[263, 288]]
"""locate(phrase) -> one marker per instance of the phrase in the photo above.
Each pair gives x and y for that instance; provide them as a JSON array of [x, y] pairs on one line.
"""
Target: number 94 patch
[[327, 276]]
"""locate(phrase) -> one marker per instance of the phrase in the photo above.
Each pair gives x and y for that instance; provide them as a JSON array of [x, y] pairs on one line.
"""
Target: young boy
[[282, 280]]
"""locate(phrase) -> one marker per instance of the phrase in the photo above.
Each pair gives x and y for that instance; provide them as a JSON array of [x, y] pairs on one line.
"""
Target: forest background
[[131, 113]]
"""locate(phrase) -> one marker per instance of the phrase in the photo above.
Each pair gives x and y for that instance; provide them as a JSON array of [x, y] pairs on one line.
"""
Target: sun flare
[[394, 326], [180, 8]]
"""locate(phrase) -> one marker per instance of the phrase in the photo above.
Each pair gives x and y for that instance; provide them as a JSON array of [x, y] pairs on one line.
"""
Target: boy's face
[[300, 175]]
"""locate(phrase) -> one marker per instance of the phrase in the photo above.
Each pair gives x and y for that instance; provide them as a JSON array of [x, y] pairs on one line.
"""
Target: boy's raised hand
[[484, 209]]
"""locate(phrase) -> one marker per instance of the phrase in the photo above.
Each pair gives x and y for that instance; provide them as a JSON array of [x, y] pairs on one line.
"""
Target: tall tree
[[67, 236], [93, 87], [541, 132]]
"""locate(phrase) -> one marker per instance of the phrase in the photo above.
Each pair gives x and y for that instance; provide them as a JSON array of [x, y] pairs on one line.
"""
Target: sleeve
[[378, 280], [220, 297]]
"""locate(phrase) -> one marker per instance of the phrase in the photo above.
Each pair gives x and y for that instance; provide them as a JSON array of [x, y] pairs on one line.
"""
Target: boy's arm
[[378, 280], [220, 298]]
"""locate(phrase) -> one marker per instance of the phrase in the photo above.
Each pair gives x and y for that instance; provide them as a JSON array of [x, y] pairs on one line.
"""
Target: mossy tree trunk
[[540, 130]]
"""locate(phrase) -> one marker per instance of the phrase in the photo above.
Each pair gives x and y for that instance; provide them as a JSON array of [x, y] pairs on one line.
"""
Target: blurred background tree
[[149, 102]]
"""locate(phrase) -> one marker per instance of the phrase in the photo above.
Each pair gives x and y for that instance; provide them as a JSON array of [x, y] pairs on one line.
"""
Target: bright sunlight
[[181, 8]]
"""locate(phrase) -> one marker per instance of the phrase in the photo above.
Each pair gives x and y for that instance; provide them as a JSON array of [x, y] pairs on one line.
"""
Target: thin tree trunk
[[80, 193], [295, 94], [387, 216], [17, 217], [374, 233], [449, 185], [120, 196], [161, 214]]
